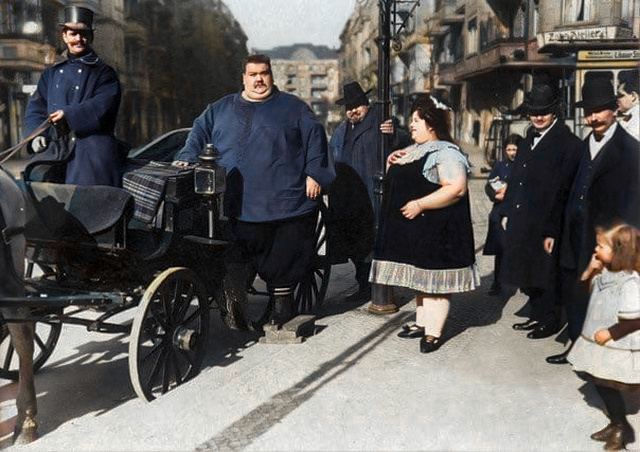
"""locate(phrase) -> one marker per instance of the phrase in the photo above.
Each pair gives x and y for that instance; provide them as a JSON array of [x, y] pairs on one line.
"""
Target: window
[[519, 23], [472, 37], [577, 10], [626, 13]]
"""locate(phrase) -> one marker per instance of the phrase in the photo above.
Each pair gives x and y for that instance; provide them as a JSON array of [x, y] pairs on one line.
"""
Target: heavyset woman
[[425, 238]]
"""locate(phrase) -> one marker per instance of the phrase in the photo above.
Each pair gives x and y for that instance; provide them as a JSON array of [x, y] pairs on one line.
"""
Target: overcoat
[[534, 202], [88, 91], [605, 190], [361, 153], [357, 162], [494, 244]]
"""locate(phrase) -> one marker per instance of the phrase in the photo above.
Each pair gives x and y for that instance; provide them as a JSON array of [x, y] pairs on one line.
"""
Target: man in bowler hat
[[80, 94], [606, 189], [355, 145], [544, 167]]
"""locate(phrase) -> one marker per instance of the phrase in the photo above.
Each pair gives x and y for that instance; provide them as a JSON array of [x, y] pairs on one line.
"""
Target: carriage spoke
[[166, 306], [153, 351], [156, 368], [194, 314], [157, 316], [176, 367], [166, 372], [38, 340], [187, 356], [184, 306], [9, 357]]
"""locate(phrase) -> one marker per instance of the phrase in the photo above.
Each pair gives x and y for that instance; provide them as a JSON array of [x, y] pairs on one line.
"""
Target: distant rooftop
[[301, 52]]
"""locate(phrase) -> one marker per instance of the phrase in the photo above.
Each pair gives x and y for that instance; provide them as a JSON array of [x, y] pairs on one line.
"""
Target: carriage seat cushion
[[67, 212]]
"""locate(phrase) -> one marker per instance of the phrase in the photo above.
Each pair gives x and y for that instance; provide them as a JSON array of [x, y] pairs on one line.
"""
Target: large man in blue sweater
[[275, 154]]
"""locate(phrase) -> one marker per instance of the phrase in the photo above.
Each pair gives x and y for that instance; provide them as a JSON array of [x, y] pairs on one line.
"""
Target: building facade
[[311, 73], [168, 75], [479, 56]]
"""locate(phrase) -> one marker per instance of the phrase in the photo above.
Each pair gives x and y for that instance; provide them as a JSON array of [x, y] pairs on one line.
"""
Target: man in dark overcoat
[[545, 164], [606, 189], [355, 146], [80, 94]]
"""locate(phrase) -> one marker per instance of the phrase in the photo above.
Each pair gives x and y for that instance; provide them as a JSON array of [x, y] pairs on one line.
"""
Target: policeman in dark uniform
[[82, 94]]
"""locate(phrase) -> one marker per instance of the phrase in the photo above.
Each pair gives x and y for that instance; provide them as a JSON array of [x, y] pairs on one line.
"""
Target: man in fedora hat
[[80, 94], [355, 145], [544, 167], [606, 189]]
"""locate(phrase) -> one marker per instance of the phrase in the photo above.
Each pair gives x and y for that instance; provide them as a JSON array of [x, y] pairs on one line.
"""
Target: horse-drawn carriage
[[157, 246]]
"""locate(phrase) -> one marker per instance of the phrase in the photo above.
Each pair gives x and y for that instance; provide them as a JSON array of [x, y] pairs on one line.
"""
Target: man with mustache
[[606, 189], [275, 154], [80, 94]]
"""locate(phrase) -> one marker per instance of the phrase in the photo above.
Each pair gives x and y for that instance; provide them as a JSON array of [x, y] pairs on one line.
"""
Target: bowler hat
[[353, 96], [542, 99], [598, 94], [78, 18]]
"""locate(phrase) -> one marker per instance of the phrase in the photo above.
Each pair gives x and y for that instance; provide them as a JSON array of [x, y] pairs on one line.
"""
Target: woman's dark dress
[[434, 252]]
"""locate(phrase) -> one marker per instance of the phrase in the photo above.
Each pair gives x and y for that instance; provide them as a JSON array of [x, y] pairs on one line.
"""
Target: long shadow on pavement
[[267, 415]]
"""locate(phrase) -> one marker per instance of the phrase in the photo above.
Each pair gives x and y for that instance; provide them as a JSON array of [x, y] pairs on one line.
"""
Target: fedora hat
[[542, 99], [598, 94], [77, 18], [353, 96]]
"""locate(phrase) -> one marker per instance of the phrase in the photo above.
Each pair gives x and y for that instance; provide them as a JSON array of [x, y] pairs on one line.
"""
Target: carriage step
[[292, 332]]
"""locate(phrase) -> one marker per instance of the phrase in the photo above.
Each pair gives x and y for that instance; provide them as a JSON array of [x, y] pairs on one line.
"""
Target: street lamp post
[[387, 8]]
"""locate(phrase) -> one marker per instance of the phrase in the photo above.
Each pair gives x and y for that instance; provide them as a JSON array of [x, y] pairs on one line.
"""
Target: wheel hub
[[185, 338]]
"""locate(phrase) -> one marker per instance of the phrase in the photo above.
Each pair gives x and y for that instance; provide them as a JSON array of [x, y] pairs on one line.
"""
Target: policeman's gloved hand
[[39, 144]]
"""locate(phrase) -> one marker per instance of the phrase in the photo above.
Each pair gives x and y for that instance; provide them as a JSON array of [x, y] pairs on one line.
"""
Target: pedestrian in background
[[606, 189], [629, 102], [608, 350], [275, 154], [81, 95], [425, 237], [495, 189], [355, 148], [543, 170]]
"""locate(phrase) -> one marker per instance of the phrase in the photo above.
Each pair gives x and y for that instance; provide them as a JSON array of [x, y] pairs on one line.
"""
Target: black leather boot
[[283, 310]]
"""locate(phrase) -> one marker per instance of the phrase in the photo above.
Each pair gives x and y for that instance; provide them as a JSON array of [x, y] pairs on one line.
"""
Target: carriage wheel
[[169, 335], [45, 339], [309, 293]]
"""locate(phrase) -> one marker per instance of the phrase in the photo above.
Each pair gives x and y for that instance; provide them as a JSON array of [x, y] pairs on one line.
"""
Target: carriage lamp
[[209, 176], [210, 181]]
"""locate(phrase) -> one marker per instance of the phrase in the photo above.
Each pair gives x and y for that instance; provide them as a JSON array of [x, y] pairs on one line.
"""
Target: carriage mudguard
[[67, 211]]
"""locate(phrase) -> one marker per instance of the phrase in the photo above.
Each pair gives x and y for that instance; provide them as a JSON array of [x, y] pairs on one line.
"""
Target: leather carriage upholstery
[[88, 215]]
